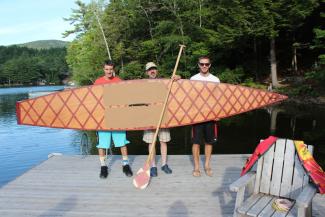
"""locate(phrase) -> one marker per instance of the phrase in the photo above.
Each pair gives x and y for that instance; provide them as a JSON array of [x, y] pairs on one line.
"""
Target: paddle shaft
[[151, 151]]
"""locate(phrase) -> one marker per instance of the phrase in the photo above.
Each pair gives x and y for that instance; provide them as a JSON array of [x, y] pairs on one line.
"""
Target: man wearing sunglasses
[[206, 130]]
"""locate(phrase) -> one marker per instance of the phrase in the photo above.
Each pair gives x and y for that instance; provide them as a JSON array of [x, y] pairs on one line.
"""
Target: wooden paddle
[[142, 178]]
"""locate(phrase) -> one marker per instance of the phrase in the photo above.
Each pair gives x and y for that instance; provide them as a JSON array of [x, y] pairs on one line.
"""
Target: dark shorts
[[205, 132]]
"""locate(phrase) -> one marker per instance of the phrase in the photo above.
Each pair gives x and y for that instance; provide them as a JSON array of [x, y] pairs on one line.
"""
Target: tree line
[[247, 41], [27, 66]]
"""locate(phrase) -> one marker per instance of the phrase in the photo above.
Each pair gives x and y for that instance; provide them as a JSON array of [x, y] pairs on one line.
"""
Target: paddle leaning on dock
[[142, 178]]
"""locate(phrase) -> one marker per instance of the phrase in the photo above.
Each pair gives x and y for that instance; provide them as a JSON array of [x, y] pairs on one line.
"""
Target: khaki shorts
[[163, 134]]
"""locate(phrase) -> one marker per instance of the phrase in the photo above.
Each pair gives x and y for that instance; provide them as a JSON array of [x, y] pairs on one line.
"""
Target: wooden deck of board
[[70, 186]]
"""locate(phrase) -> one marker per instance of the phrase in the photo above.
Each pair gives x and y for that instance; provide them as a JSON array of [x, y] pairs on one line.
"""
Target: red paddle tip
[[142, 178]]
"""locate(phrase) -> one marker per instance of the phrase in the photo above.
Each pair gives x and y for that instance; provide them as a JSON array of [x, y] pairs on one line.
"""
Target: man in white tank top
[[207, 130]]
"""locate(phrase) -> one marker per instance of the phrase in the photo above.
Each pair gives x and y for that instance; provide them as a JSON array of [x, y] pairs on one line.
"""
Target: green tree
[[285, 15], [21, 70], [28, 66], [318, 72], [319, 41], [86, 54], [79, 19], [231, 32]]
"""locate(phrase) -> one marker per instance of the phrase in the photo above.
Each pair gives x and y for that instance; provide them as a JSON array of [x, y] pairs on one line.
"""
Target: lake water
[[23, 147]]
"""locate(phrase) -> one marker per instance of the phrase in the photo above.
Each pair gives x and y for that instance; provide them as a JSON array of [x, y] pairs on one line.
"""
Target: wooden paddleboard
[[137, 104]]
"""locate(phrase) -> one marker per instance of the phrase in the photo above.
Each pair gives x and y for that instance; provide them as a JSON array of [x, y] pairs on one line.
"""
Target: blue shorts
[[105, 139]]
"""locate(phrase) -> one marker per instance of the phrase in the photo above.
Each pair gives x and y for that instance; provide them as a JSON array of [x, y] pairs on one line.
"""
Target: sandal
[[196, 173], [208, 171]]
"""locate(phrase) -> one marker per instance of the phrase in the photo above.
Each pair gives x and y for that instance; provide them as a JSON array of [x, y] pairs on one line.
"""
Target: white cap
[[150, 65]]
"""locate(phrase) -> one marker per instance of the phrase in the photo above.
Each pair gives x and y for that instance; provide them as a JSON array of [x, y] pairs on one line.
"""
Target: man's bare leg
[[196, 159], [163, 152], [125, 162], [208, 152]]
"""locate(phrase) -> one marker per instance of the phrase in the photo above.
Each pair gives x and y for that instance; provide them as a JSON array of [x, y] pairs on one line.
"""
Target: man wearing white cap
[[164, 134]]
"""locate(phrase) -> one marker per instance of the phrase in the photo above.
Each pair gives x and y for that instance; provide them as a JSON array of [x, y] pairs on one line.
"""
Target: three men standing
[[206, 131]]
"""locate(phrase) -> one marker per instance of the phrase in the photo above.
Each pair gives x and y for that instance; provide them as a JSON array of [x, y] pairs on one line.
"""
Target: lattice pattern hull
[[189, 102]]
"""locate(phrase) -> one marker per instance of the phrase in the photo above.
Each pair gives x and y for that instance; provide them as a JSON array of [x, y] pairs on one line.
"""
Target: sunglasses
[[205, 64]]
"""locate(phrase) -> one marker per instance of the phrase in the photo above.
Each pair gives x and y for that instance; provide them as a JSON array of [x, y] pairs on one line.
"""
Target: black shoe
[[103, 172], [166, 169], [153, 172], [127, 170]]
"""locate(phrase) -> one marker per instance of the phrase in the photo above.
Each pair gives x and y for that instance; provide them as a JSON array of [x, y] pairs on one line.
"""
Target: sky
[[24, 21]]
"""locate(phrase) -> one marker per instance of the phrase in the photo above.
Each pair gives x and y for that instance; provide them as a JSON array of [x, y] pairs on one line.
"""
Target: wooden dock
[[70, 186]]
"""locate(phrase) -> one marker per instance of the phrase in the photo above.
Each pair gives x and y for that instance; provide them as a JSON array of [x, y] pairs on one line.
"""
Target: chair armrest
[[243, 181], [306, 196]]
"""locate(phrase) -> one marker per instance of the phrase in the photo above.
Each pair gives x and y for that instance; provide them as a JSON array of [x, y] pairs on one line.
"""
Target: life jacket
[[259, 151], [311, 167]]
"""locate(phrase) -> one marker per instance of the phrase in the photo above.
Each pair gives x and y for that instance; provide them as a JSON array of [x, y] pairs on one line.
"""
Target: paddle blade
[[142, 178]]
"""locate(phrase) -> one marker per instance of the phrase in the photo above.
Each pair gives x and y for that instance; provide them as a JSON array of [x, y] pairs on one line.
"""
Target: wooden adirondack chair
[[279, 173]]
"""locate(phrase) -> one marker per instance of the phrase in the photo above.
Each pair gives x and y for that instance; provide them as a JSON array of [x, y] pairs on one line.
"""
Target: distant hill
[[45, 44]]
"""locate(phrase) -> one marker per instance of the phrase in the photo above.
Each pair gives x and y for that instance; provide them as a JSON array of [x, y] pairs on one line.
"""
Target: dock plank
[[70, 186]]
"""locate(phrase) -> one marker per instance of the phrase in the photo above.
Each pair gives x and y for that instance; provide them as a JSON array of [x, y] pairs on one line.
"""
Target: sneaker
[[127, 170], [153, 172], [103, 172], [166, 169]]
